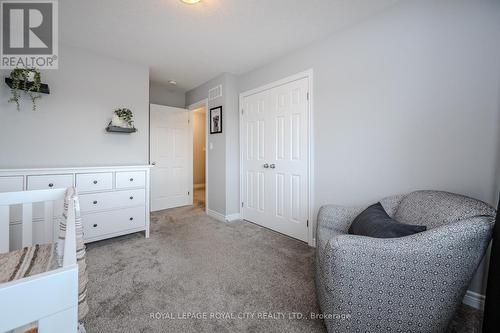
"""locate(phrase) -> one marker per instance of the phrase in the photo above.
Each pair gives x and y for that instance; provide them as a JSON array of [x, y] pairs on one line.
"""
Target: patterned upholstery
[[433, 208], [407, 284]]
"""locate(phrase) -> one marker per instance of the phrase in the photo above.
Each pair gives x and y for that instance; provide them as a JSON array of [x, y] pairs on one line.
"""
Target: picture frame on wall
[[216, 120]]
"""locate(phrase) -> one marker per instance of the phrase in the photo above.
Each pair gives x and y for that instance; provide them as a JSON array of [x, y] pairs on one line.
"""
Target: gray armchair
[[407, 284]]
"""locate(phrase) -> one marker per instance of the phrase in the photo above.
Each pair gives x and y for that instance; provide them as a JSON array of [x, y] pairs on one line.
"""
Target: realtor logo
[[29, 34]]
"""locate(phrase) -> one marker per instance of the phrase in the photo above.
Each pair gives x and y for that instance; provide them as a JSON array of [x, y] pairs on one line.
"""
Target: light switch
[[210, 145]]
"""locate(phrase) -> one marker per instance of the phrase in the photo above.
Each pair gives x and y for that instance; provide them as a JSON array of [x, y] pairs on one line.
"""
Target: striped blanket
[[27, 262]]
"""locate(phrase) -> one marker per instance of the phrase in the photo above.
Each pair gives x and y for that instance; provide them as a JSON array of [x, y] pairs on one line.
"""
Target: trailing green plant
[[125, 114], [21, 81]]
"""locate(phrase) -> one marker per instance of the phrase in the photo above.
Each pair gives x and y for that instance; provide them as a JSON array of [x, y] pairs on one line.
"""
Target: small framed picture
[[216, 120]]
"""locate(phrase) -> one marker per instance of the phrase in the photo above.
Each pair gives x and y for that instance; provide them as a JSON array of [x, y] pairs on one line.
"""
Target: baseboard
[[474, 299], [198, 186], [219, 217], [313, 243], [216, 215], [233, 217]]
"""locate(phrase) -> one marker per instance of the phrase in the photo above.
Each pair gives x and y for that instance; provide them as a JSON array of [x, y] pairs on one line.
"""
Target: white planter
[[117, 121], [31, 77]]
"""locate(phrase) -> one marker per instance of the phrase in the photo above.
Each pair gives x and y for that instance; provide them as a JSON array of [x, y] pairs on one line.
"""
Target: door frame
[[310, 163], [204, 103]]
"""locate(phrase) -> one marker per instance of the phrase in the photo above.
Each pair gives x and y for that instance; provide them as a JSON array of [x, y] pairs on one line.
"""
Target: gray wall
[[216, 166], [68, 127], [165, 95], [407, 100], [223, 160], [232, 118]]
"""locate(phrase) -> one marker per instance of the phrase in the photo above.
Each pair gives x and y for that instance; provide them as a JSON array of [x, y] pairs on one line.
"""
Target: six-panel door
[[171, 151], [275, 158]]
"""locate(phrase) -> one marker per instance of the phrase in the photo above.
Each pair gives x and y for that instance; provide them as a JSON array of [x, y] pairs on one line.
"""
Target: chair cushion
[[436, 208], [375, 222]]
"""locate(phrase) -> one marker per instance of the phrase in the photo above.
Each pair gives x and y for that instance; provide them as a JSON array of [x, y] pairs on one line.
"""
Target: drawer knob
[[95, 202], [95, 181], [131, 198], [95, 225], [131, 218], [51, 185], [131, 179]]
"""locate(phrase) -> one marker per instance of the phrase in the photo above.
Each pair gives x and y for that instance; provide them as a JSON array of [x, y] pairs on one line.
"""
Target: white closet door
[[275, 158], [171, 150]]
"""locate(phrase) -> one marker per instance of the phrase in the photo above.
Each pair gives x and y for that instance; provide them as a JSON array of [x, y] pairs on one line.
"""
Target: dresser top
[[75, 169]]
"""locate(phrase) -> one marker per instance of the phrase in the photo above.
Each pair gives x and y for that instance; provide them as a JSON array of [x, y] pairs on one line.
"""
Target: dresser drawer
[[11, 184], [112, 200], [49, 181], [88, 182], [99, 224], [129, 179]]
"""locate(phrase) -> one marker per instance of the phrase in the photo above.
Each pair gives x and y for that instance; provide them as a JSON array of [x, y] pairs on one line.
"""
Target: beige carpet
[[194, 268]]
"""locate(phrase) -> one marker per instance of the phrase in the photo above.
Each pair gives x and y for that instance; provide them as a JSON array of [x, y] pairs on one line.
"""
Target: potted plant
[[122, 118], [27, 79]]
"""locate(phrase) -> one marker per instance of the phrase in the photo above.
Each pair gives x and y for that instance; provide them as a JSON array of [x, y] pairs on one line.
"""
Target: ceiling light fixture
[[172, 82], [190, 2]]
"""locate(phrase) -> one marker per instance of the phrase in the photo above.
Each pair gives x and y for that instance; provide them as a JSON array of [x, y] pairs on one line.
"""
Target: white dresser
[[114, 201]]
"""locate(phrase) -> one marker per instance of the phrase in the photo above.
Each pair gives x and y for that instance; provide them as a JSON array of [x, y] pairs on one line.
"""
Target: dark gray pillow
[[375, 222]]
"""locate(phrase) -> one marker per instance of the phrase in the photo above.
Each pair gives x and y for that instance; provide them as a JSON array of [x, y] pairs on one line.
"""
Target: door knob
[[266, 165], [272, 166]]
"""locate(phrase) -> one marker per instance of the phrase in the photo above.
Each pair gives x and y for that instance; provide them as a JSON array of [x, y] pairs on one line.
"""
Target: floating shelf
[[116, 129], [44, 88]]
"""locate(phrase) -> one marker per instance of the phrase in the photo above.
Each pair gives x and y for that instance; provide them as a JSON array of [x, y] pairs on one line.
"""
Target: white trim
[[190, 148], [49, 171], [216, 215], [204, 103], [233, 217], [306, 74], [220, 217], [474, 299]]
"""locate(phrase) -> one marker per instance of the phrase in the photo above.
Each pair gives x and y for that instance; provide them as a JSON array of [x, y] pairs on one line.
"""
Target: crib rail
[[27, 199], [50, 298]]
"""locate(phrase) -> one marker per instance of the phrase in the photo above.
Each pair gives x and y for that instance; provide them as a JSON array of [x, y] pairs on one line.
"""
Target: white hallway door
[[275, 144], [171, 152]]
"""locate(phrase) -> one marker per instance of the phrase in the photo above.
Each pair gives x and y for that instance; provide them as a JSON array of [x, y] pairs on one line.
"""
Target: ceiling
[[193, 43]]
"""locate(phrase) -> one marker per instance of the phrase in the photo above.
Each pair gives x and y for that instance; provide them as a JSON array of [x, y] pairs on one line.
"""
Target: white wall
[[165, 95], [68, 127]]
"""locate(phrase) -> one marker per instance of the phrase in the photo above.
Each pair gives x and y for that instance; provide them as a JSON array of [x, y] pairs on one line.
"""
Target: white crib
[[50, 299]]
